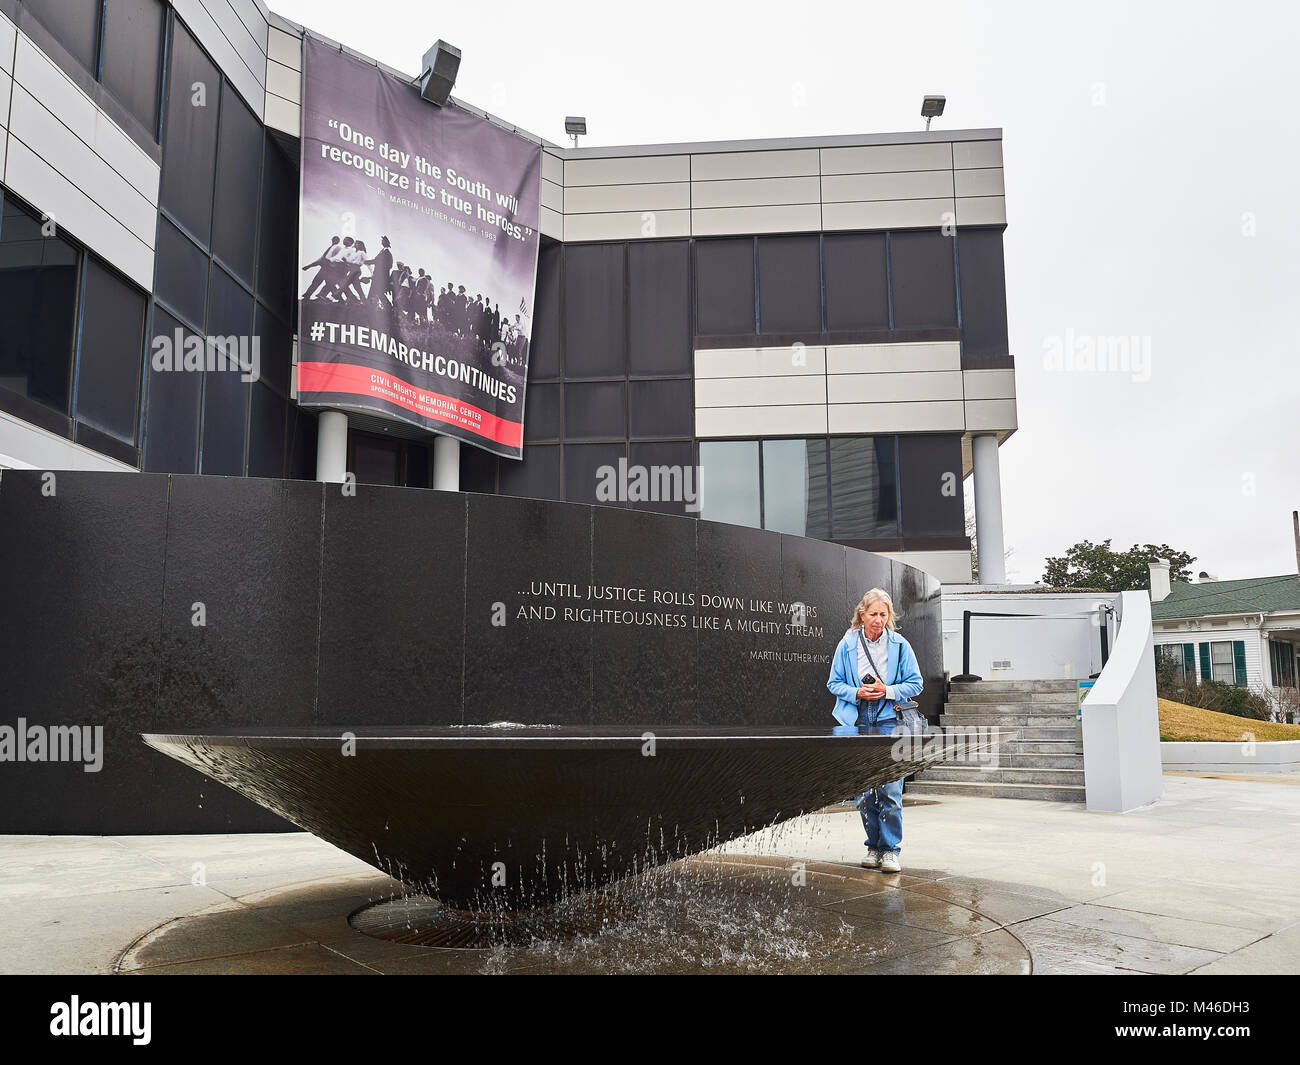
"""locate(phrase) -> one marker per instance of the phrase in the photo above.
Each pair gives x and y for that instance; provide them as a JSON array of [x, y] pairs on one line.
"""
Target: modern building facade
[[815, 328]]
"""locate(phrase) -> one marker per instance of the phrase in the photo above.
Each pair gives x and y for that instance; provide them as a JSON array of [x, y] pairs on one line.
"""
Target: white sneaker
[[872, 860], [889, 862]]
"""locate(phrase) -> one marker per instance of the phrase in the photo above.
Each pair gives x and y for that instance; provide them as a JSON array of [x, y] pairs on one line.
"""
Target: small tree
[[1089, 565]]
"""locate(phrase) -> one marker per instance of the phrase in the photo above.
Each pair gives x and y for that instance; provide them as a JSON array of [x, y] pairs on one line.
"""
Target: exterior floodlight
[[441, 64], [575, 126], [932, 107]]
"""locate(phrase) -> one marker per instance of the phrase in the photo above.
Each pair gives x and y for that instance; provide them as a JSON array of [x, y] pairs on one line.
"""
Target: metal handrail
[[967, 675]]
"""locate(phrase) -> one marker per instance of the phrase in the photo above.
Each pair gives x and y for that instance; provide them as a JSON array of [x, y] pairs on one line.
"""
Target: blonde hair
[[875, 595]]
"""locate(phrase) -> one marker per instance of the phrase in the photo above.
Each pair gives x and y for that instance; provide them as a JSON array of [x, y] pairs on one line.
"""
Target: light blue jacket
[[902, 679]]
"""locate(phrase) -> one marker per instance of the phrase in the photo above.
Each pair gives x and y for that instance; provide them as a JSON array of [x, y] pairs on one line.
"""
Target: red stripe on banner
[[362, 381]]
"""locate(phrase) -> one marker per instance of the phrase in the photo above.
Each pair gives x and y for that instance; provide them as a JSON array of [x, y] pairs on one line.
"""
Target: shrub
[[1213, 695]]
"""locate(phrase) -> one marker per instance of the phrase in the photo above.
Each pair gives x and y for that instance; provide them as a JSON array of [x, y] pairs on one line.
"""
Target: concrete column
[[446, 463], [988, 509], [332, 446]]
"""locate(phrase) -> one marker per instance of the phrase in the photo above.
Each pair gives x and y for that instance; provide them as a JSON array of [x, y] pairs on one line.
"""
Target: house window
[[1173, 654], [1282, 660], [1221, 663]]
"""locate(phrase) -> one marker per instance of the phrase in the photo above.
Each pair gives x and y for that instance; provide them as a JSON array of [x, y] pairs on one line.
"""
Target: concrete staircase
[[1038, 761]]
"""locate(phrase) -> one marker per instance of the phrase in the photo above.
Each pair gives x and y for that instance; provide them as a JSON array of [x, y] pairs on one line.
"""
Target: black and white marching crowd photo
[[371, 287]]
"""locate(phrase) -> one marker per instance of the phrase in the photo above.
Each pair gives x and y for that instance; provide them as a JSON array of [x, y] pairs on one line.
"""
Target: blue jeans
[[882, 816]]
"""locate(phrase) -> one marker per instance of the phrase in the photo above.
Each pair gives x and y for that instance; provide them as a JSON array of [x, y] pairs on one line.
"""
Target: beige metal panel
[[596, 199], [889, 214], [253, 16], [982, 211], [627, 170], [983, 415], [8, 41], [125, 156], [56, 91], [905, 185], [989, 384], [760, 421], [231, 47], [626, 225], [923, 386], [36, 181], [886, 158], [283, 115], [552, 168], [760, 391], [551, 223], [791, 361], [284, 48], [78, 162], [893, 358], [552, 196], [284, 82], [895, 417], [980, 182], [948, 567], [971, 155], [719, 166], [755, 192], [719, 221]]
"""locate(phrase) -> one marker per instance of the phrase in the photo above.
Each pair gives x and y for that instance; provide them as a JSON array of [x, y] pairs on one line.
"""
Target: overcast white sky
[[1144, 144]]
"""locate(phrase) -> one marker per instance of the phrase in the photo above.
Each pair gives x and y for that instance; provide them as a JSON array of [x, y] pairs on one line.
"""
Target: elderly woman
[[873, 669]]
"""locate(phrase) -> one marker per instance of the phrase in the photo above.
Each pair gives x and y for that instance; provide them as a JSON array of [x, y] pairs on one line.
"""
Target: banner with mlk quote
[[418, 244]]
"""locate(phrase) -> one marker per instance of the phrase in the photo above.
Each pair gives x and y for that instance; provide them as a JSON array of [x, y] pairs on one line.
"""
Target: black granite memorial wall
[[171, 603]]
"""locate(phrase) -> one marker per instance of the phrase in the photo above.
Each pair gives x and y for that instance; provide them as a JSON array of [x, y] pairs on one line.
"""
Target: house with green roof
[[1244, 632]]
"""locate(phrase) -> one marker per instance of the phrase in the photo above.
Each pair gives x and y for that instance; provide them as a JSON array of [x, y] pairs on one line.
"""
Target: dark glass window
[[239, 172], [923, 279], [595, 409], [300, 449], [225, 395], [478, 470], [190, 135], [857, 281], [931, 477], [541, 413], [181, 273], [38, 299], [278, 231], [724, 287], [670, 467], [794, 487], [864, 487], [983, 297], [587, 467], [789, 285], [544, 346], [593, 311], [659, 307], [171, 431], [417, 465], [376, 460], [537, 475], [74, 24], [661, 408], [729, 489], [108, 369], [132, 58], [266, 433], [274, 347]]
